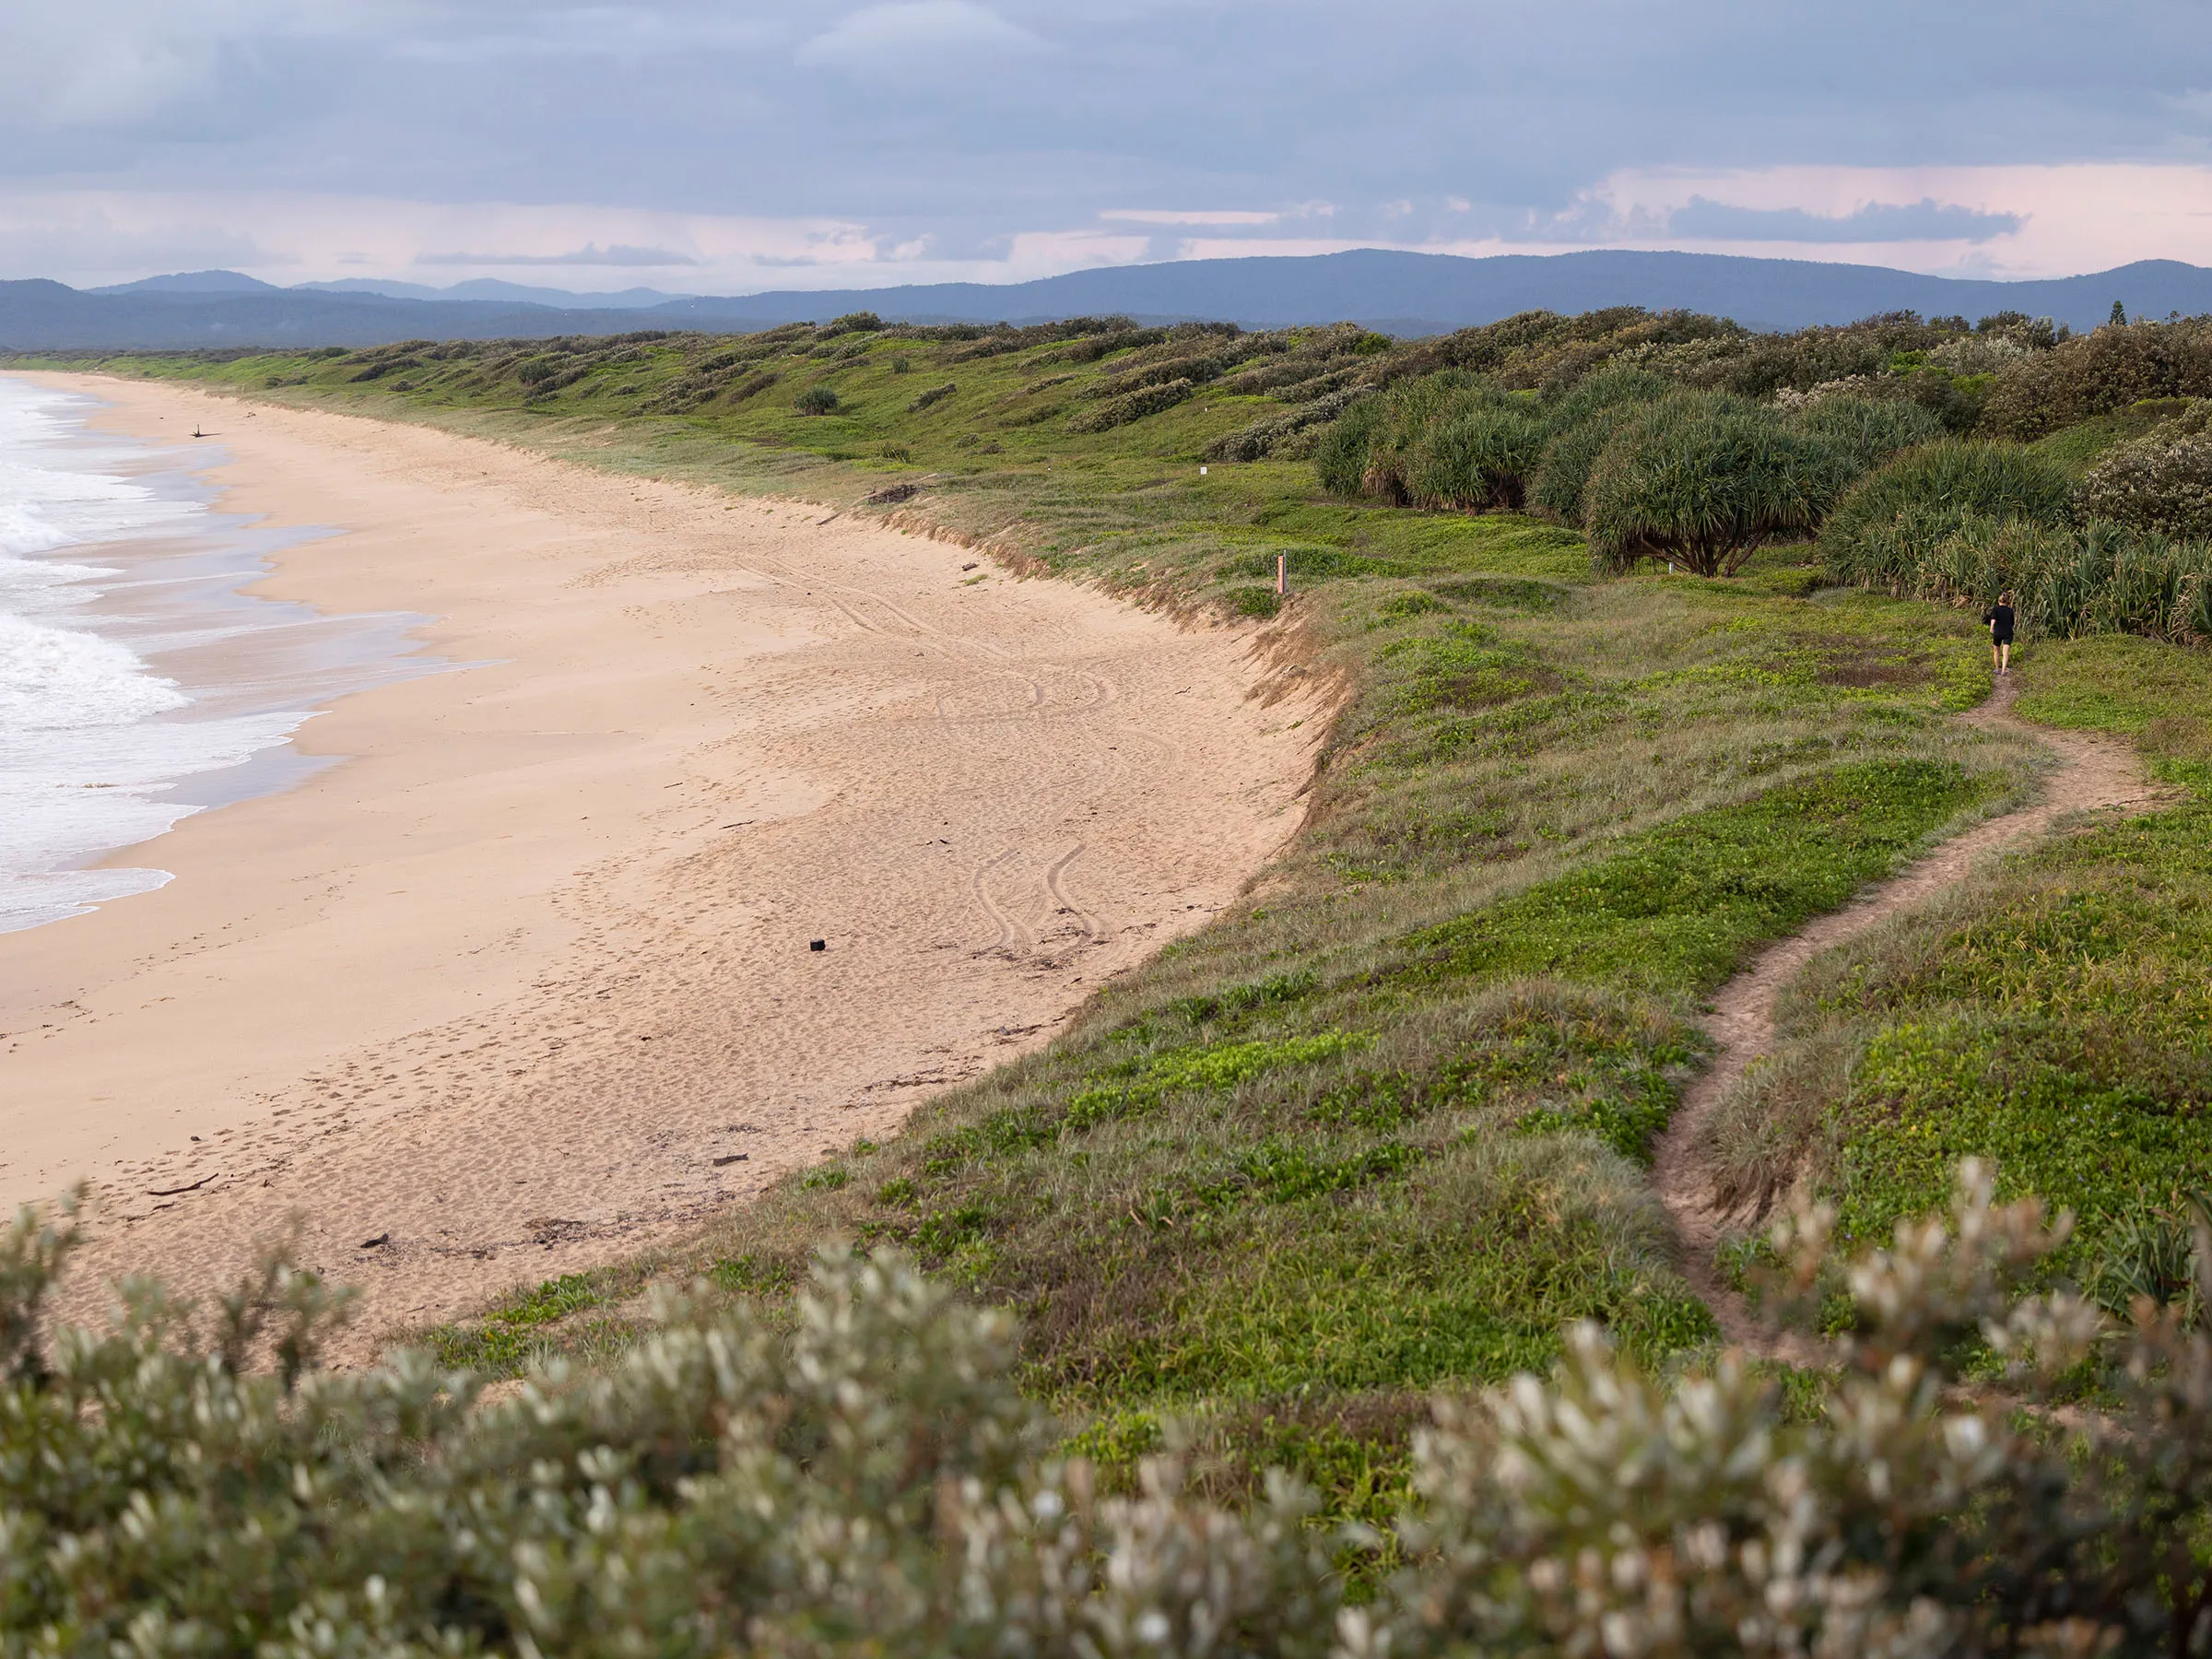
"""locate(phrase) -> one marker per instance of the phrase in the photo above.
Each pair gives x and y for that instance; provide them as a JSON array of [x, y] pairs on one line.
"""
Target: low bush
[[1704, 481], [1340, 460], [1888, 523], [2099, 375], [935, 395], [817, 400], [1131, 406], [1276, 434], [1443, 441], [870, 1477], [1555, 490], [2160, 481], [1479, 460]]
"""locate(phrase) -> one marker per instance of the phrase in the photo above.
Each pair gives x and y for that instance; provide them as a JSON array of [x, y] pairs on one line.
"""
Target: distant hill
[[47, 316], [492, 287], [1399, 293], [192, 282], [1432, 292]]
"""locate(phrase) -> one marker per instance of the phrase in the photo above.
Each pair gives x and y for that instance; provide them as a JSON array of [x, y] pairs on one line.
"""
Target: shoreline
[[522, 981], [148, 674]]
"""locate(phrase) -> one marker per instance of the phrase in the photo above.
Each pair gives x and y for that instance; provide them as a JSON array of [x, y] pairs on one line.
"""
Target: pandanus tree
[[1704, 481]]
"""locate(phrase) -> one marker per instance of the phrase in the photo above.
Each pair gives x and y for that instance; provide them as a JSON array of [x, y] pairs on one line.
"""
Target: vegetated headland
[[1653, 633]]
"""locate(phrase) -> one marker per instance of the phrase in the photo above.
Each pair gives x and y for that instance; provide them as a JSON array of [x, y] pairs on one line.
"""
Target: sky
[[703, 148]]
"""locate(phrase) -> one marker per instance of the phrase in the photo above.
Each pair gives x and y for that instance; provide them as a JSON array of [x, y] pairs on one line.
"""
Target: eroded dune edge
[[527, 983]]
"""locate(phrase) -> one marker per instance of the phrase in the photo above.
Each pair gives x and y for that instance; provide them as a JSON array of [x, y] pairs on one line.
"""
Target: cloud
[[1921, 221], [621, 32], [139, 67], [896, 36], [591, 254], [1167, 215]]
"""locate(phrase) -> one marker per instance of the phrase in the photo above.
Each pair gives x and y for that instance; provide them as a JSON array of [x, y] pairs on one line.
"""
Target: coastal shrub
[[752, 385], [817, 399], [868, 1475], [2068, 582], [935, 395], [1888, 523], [1580, 422], [1477, 460], [1402, 417], [1271, 434], [1608, 388], [1704, 481], [2160, 481], [1340, 460], [1133, 407], [1866, 432], [1442, 440], [1563, 474], [2099, 373]]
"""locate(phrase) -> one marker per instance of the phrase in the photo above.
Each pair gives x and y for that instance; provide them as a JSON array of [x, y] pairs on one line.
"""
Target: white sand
[[504, 985]]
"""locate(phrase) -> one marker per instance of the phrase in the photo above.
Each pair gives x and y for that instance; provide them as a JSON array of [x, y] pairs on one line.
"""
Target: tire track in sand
[[2093, 774]]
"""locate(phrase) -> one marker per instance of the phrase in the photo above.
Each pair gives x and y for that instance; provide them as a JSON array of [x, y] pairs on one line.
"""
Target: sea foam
[[114, 571]]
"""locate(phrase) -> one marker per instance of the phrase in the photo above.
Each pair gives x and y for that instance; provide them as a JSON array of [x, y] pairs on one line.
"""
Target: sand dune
[[525, 982]]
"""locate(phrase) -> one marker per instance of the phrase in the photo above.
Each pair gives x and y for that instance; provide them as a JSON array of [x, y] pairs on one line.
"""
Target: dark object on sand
[[818, 944]]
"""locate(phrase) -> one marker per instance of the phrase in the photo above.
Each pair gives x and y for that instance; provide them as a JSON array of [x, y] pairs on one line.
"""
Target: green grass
[[2158, 698], [1381, 1127], [509, 1335], [2065, 1030], [1682, 906], [2055, 1016]]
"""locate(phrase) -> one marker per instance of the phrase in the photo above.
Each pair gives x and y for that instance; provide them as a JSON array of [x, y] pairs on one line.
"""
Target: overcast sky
[[725, 147]]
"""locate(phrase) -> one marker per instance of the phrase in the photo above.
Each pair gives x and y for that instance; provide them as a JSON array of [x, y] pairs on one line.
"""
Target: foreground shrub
[[1704, 481], [2159, 481], [817, 400], [866, 1477], [1890, 523]]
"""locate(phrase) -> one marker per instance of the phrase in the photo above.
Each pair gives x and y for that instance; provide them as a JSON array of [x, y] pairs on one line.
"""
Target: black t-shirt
[[2000, 622]]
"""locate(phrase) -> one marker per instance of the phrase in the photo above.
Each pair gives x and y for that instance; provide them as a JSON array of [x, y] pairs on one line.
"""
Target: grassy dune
[[1383, 1126]]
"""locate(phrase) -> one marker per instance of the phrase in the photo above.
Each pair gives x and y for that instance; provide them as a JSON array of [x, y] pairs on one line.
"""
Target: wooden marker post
[[1282, 584]]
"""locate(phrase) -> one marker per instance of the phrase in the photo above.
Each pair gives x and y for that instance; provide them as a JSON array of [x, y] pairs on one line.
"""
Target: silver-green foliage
[[2162, 481], [1131, 406], [864, 1476]]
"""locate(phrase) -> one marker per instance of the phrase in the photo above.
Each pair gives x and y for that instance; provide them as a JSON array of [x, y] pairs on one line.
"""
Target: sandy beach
[[525, 981]]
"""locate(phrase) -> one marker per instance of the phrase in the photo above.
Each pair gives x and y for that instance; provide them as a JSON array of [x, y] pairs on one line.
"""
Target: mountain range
[[1396, 292]]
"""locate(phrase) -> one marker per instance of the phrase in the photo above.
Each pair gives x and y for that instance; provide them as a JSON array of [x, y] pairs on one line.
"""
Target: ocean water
[[137, 684]]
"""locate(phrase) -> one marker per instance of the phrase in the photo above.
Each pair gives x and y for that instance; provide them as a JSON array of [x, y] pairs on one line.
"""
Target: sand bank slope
[[525, 980]]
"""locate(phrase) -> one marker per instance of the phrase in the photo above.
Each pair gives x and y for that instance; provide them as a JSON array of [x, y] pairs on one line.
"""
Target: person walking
[[1999, 618]]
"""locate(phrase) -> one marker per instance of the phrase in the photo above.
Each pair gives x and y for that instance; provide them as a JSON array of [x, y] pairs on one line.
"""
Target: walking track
[[2093, 774]]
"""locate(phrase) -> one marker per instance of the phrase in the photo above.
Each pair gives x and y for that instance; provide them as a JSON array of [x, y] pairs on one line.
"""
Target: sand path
[[525, 983], [2093, 774]]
